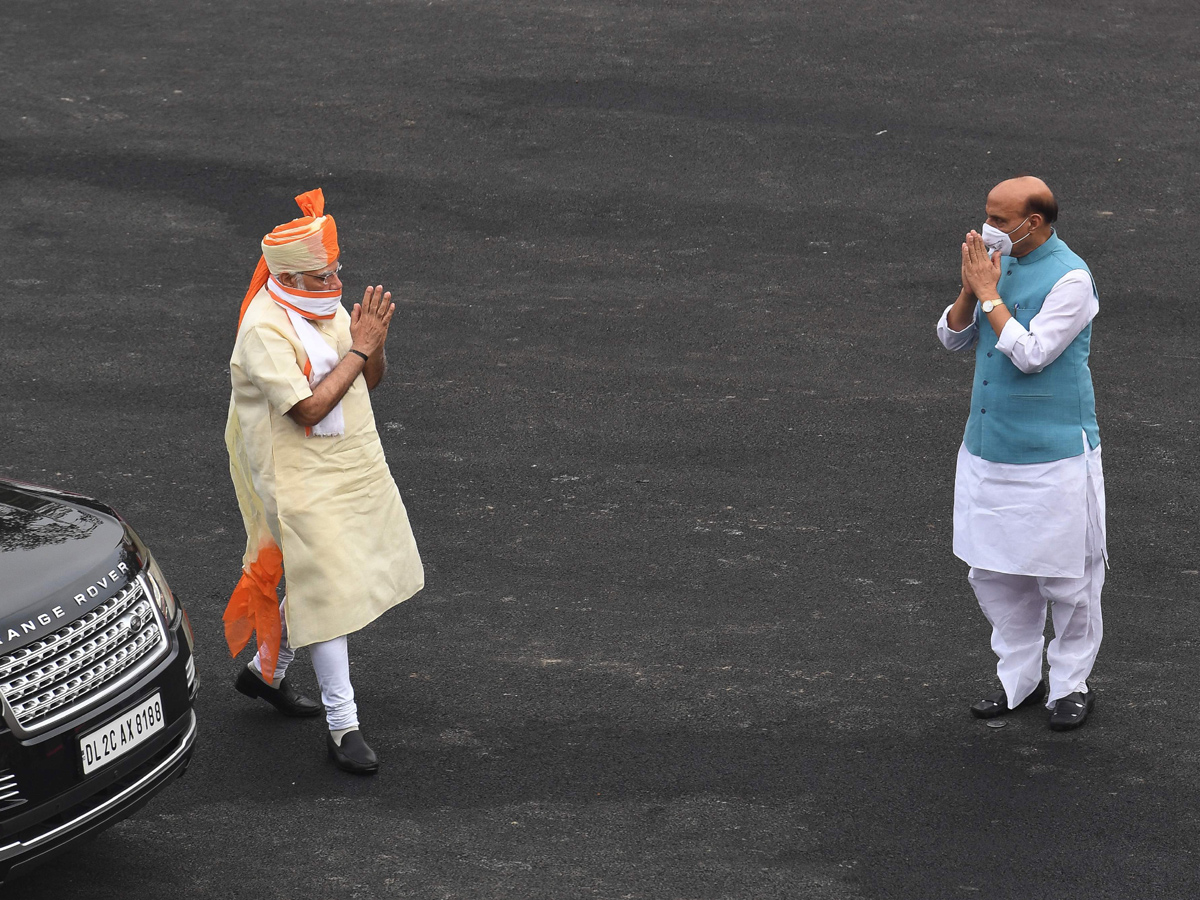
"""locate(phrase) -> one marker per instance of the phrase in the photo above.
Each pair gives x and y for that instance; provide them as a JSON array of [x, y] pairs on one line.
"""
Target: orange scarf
[[254, 608]]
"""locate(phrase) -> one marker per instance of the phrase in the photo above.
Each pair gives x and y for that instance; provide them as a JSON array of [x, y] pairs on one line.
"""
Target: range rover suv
[[97, 678]]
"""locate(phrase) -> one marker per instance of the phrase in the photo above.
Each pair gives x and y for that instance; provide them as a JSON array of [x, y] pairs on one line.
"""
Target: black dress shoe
[[996, 704], [353, 755], [283, 698], [1072, 710]]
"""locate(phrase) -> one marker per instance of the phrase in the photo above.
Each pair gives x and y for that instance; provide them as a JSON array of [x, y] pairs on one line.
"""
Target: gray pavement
[[667, 410]]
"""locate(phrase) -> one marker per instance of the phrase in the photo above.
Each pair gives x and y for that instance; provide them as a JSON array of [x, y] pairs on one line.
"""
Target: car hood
[[55, 547]]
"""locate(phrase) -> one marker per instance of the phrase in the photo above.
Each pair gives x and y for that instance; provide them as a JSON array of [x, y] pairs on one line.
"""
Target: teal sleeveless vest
[[1019, 418]]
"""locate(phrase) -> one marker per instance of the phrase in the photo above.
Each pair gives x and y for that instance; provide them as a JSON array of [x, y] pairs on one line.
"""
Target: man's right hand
[[370, 320], [369, 323]]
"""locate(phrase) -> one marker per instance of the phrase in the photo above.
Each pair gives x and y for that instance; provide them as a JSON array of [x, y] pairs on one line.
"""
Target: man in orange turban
[[316, 495]]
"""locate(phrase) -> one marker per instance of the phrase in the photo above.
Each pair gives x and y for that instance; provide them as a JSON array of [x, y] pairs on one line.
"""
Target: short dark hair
[[1046, 207]]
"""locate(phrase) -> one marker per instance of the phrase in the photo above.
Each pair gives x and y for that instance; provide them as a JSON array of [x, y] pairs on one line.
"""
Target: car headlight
[[155, 584]]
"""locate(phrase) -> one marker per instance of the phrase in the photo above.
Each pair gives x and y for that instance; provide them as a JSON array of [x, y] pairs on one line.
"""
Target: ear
[[1036, 221]]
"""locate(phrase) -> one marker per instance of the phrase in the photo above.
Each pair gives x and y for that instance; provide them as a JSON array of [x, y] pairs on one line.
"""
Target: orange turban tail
[[302, 245], [254, 607]]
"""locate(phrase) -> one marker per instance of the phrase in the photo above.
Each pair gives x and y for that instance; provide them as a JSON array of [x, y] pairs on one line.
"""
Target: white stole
[[321, 357]]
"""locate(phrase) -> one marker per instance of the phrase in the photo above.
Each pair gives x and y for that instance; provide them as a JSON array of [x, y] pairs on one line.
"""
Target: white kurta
[[329, 503], [1031, 519]]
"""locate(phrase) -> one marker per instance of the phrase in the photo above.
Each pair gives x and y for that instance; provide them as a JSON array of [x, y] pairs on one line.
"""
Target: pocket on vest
[[1031, 396]]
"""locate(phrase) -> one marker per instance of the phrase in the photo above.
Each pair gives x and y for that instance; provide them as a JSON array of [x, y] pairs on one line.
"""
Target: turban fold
[[306, 244]]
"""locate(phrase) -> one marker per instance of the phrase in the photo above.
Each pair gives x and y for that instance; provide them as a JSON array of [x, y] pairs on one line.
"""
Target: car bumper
[[117, 801], [67, 806]]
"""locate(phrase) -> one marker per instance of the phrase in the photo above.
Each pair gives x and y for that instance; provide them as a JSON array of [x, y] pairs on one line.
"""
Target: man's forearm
[[329, 392], [962, 313], [375, 368]]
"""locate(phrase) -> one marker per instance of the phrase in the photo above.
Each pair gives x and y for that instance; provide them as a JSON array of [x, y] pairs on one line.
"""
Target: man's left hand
[[981, 271]]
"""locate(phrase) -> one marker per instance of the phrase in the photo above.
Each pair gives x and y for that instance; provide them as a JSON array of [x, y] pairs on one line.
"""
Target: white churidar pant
[[331, 663]]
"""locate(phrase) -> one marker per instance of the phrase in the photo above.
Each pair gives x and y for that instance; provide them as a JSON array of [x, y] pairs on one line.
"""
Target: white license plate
[[122, 734]]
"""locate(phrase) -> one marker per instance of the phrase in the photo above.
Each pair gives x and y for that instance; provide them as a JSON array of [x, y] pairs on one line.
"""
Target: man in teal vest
[[1029, 488]]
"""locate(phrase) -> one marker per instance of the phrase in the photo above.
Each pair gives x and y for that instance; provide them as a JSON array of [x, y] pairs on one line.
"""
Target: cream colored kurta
[[329, 503]]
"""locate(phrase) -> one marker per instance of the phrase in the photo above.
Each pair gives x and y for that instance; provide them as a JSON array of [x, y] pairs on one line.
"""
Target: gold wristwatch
[[989, 305]]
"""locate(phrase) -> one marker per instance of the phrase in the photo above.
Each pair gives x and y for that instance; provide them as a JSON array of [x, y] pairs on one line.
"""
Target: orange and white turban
[[307, 244]]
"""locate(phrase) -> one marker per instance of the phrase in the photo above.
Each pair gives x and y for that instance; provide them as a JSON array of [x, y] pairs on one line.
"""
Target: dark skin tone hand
[[369, 323]]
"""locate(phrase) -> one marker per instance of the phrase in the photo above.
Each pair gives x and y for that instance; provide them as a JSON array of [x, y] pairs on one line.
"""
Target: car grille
[[90, 658]]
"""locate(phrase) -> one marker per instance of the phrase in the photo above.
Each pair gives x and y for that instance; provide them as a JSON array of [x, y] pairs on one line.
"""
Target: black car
[[97, 678]]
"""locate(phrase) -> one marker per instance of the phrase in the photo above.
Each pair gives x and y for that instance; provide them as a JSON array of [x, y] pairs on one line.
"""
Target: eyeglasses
[[324, 278]]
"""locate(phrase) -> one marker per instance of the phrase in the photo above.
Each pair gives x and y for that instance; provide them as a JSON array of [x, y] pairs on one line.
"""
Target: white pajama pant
[[1015, 605], [331, 663]]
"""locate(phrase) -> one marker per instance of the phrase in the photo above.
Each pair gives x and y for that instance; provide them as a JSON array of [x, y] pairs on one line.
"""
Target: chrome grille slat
[[10, 791], [42, 681]]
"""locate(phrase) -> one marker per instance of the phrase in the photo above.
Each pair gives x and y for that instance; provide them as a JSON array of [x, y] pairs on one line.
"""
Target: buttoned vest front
[[1020, 418]]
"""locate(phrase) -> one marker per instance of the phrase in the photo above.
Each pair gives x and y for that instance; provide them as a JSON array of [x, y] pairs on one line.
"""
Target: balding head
[[1032, 194], [1023, 201]]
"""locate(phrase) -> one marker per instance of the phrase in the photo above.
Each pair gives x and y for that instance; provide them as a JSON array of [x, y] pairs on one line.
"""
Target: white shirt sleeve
[[1066, 311], [956, 340]]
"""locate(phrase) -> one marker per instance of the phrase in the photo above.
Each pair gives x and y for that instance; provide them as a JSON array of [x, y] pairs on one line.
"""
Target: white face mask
[[321, 304], [995, 239]]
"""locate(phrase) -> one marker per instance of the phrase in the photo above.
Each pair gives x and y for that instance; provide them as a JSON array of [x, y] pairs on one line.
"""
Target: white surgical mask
[[995, 239]]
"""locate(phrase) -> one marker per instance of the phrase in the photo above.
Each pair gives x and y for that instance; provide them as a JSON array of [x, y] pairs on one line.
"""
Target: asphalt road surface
[[669, 415]]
